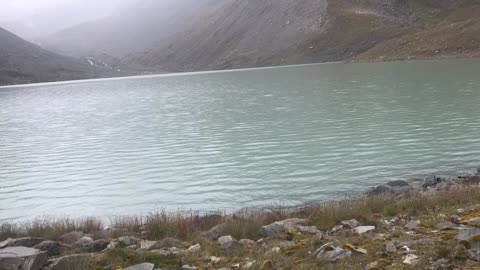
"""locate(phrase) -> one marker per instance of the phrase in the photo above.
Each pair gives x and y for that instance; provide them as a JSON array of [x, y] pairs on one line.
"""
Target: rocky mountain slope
[[24, 62]]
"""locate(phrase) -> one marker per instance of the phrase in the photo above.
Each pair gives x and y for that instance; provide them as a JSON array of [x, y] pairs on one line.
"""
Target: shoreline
[[366, 231]]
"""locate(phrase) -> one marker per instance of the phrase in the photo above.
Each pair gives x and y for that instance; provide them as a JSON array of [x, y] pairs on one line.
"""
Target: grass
[[247, 223]]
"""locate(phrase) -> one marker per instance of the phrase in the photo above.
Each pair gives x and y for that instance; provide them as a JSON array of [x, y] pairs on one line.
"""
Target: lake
[[227, 140]]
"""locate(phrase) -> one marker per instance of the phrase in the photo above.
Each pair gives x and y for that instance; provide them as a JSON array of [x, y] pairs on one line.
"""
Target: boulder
[[332, 252], [52, 248], [21, 242], [247, 243], [142, 266], [351, 224], [363, 229], [432, 181], [22, 258], [73, 262], [71, 237], [282, 226], [229, 246], [96, 246], [148, 245], [308, 229], [195, 248], [390, 247], [214, 233], [412, 225], [411, 259], [126, 241]]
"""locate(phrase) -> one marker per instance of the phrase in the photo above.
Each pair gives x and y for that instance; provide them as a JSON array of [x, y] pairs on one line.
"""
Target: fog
[[32, 18]]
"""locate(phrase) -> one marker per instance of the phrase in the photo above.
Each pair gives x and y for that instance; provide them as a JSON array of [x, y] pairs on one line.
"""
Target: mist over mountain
[[153, 36]]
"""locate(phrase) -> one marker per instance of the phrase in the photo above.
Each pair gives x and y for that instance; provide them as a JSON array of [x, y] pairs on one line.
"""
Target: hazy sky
[[27, 17]]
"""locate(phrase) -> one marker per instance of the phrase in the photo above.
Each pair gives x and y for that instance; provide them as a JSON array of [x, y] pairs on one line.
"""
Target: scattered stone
[[21, 242], [52, 248], [195, 248], [441, 264], [143, 266], [71, 237], [22, 258], [229, 246], [410, 259], [247, 243], [282, 226], [336, 229], [364, 229], [432, 181], [275, 249], [168, 243], [455, 219], [412, 225], [147, 245], [249, 265], [214, 259], [97, 246], [351, 224], [188, 267], [308, 230], [73, 262], [126, 241], [447, 226], [214, 233], [332, 252], [84, 243], [286, 244], [390, 247]]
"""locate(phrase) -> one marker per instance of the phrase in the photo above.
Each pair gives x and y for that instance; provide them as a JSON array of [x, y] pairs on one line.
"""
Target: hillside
[[276, 32], [23, 62]]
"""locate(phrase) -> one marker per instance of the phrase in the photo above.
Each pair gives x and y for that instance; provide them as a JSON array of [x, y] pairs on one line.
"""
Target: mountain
[[250, 33], [24, 62]]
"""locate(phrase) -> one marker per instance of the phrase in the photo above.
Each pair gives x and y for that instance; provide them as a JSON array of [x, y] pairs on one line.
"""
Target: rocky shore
[[429, 224]]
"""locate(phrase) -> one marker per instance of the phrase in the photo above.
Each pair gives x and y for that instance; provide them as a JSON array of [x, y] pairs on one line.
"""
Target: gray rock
[[148, 245], [195, 248], [71, 237], [73, 262], [432, 181], [447, 226], [282, 226], [229, 246], [189, 267], [474, 255], [412, 225], [332, 252], [364, 229], [351, 224], [96, 246], [390, 247], [441, 264], [22, 258], [379, 190], [308, 229], [126, 241], [214, 233], [84, 243], [286, 244], [247, 243], [52, 248], [143, 266], [398, 183], [21, 242]]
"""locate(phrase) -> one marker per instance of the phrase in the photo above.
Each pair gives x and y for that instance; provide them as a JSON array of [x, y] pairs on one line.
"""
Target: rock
[[73, 262], [355, 248], [229, 246], [412, 225], [188, 267], [214, 259], [308, 229], [364, 229], [195, 248], [455, 219], [126, 241], [474, 255], [96, 246], [168, 243], [147, 245], [332, 252], [52, 248], [173, 251], [372, 266], [267, 265], [473, 221], [249, 265], [22, 258], [214, 233], [275, 249], [143, 266], [351, 224], [286, 244], [390, 247], [282, 226], [447, 226], [432, 181], [336, 229], [398, 183], [441, 264], [410, 259], [247, 243], [21, 242], [379, 190], [71, 237]]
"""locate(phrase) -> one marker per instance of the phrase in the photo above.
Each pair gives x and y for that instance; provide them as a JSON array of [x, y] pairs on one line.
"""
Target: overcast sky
[[43, 16]]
